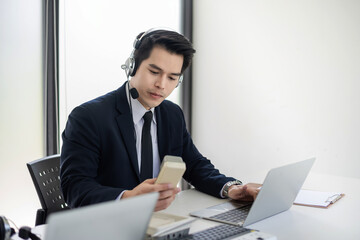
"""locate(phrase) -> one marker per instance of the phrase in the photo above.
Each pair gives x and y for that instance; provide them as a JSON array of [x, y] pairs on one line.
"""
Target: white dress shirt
[[138, 112]]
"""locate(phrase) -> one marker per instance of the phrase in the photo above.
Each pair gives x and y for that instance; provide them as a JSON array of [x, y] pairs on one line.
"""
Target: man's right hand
[[166, 192]]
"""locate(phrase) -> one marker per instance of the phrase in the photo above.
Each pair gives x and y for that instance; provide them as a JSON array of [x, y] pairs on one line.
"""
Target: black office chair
[[45, 173]]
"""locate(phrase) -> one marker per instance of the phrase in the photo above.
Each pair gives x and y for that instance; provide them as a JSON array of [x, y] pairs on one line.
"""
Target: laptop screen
[[124, 219]]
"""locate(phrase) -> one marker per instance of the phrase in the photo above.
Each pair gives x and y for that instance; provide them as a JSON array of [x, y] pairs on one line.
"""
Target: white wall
[[21, 106], [276, 82]]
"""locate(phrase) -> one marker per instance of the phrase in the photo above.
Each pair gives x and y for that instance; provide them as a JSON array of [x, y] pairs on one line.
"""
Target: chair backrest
[[45, 173]]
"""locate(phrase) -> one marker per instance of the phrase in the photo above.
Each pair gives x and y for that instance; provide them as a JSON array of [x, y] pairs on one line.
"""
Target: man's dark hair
[[169, 40]]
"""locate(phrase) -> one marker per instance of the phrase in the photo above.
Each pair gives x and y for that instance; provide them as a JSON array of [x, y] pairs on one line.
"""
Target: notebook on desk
[[277, 194], [125, 219]]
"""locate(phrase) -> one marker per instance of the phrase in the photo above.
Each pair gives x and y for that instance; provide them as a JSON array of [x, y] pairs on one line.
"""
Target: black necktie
[[146, 170]]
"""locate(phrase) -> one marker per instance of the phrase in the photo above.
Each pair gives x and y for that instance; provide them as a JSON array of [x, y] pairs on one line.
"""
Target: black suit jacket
[[99, 160]]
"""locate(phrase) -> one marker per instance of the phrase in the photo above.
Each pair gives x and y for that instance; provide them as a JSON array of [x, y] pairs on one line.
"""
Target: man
[[103, 155]]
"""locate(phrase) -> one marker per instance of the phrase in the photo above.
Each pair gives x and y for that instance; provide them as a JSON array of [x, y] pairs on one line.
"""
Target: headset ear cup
[[130, 62], [2, 229], [129, 66], [5, 230], [180, 80]]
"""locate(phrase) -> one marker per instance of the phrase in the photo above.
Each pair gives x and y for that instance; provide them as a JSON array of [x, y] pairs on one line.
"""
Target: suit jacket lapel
[[126, 126]]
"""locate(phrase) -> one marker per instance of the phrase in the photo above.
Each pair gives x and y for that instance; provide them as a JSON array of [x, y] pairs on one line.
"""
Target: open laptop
[[125, 219], [277, 194]]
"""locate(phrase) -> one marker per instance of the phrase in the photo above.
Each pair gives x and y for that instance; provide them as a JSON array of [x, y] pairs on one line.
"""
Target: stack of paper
[[162, 223]]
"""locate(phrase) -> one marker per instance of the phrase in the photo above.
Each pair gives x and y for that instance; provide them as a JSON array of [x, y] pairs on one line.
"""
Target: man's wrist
[[225, 191], [126, 194]]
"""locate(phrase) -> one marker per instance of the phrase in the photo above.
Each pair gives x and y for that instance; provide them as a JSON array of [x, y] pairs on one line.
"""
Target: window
[[96, 37]]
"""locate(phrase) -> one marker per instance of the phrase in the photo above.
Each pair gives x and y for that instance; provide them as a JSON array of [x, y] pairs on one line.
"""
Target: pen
[[338, 196], [334, 198]]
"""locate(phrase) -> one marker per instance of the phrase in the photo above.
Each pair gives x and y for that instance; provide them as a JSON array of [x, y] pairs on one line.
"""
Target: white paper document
[[317, 198]]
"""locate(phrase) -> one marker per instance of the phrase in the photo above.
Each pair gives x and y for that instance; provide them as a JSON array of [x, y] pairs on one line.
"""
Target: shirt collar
[[139, 111]]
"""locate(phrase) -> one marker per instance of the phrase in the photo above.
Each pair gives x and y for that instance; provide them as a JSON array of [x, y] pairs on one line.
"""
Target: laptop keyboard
[[236, 215], [217, 233]]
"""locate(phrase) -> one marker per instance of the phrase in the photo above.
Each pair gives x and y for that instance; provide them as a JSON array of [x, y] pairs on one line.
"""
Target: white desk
[[339, 221]]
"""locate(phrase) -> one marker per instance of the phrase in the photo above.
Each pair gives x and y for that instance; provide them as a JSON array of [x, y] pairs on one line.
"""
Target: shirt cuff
[[120, 195]]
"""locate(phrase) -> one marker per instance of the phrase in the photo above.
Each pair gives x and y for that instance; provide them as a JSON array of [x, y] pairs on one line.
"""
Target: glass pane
[[21, 106]]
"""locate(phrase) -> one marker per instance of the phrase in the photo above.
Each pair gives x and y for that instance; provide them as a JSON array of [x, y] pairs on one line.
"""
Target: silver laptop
[[127, 219], [277, 194]]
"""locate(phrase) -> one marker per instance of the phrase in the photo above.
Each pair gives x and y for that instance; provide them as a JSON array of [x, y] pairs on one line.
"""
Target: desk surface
[[339, 221]]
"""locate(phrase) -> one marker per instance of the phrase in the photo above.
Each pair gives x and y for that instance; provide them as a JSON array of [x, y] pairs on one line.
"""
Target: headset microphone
[[134, 93]]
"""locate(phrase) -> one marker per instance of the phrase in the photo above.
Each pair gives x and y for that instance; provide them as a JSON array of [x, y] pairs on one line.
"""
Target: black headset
[[129, 65], [6, 231]]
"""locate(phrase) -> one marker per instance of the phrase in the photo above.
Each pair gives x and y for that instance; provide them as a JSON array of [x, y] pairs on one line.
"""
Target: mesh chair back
[[45, 174]]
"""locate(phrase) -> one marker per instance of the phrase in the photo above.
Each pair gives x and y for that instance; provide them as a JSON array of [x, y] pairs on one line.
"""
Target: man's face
[[157, 76]]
